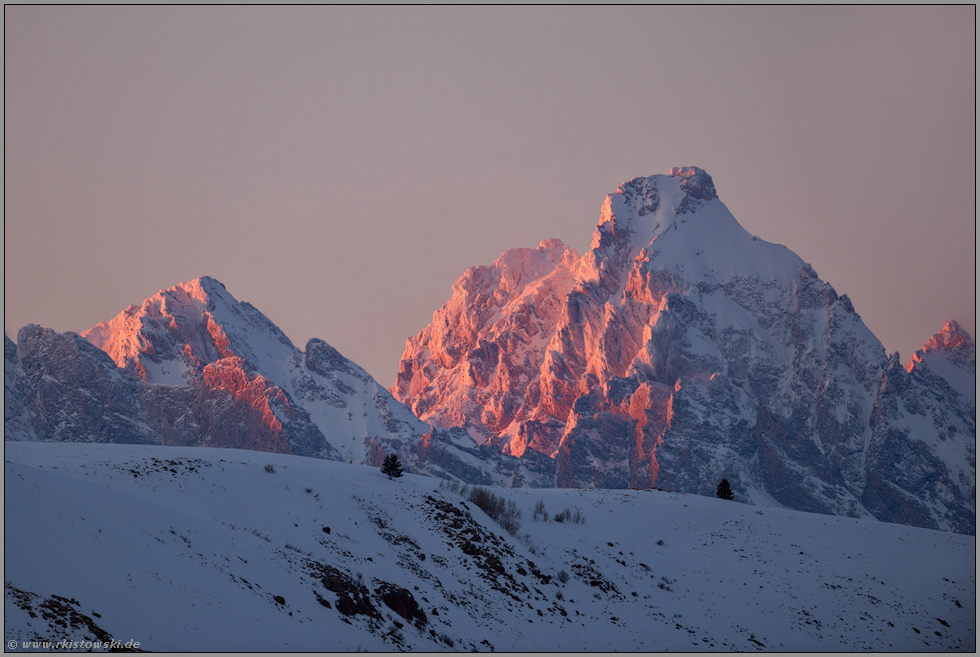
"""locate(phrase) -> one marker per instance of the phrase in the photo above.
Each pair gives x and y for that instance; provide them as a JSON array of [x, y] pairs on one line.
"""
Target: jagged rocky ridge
[[680, 349], [194, 366]]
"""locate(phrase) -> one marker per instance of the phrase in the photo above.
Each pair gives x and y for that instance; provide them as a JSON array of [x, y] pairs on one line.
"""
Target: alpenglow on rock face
[[194, 366], [677, 351], [680, 350]]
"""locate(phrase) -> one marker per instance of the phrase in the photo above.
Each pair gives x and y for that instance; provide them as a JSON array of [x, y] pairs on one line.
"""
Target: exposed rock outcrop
[[679, 350]]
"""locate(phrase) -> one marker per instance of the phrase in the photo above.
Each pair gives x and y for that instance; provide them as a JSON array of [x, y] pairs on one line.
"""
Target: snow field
[[207, 549]]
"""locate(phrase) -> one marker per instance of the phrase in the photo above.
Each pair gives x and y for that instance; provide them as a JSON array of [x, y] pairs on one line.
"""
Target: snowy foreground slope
[[184, 548]]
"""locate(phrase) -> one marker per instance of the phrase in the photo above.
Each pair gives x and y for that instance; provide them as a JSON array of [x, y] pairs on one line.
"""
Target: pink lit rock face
[[203, 353], [471, 366], [178, 331], [520, 341], [680, 349], [194, 366], [952, 354]]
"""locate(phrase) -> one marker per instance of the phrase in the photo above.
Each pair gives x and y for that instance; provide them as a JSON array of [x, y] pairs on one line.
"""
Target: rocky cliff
[[193, 366], [680, 349]]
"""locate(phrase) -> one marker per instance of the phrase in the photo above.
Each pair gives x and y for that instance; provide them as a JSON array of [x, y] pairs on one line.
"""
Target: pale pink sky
[[340, 167]]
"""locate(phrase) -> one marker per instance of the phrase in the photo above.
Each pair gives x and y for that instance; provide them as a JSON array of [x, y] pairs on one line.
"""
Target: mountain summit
[[193, 365], [177, 332], [953, 346], [680, 349], [677, 351]]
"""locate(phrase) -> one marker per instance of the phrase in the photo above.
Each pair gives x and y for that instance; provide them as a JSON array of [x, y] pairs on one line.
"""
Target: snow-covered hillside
[[203, 549]]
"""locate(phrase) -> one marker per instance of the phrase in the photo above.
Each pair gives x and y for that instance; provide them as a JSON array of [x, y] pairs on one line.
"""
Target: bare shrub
[[505, 512], [265, 538], [562, 576], [271, 469], [453, 486], [540, 512], [569, 516]]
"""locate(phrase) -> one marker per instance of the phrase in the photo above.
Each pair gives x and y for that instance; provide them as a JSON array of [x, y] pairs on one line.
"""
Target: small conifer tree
[[724, 490], [392, 466]]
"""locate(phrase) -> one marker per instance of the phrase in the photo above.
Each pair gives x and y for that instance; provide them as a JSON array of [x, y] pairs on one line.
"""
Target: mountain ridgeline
[[677, 351]]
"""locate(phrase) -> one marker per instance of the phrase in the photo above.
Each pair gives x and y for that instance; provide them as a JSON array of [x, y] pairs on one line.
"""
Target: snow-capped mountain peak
[[683, 350], [198, 367], [678, 222], [176, 332], [951, 337], [952, 354], [678, 350]]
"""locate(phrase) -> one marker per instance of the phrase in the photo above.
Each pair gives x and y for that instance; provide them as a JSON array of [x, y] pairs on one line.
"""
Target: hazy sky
[[340, 167]]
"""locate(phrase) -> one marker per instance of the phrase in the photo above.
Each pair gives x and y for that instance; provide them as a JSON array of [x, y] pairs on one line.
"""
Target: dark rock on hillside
[[75, 392]]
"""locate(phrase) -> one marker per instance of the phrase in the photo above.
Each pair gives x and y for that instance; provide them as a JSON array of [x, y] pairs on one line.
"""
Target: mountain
[[313, 402], [677, 351], [198, 549], [680, 350], [952, 355], [194, 366]]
